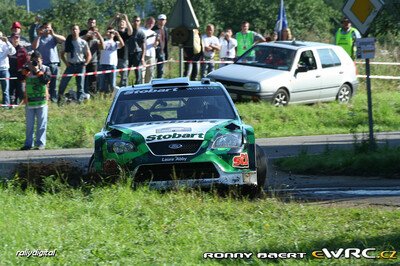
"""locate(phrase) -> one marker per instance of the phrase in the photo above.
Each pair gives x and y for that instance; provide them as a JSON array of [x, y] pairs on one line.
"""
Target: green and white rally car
[[177, 131]]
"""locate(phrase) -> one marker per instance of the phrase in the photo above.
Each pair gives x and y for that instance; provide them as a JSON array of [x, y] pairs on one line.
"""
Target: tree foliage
[[10, 12]]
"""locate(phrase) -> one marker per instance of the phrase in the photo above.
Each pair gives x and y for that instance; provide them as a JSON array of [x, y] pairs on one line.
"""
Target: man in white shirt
[[228, 47], [6, 49], [210, 46], [109, 59], [151, 43]]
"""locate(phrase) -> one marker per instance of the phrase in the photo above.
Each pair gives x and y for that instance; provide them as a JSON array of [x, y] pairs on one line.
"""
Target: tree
[[10, 12]]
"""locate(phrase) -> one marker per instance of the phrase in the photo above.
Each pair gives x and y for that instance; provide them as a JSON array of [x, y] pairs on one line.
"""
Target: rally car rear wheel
[[261, 162]]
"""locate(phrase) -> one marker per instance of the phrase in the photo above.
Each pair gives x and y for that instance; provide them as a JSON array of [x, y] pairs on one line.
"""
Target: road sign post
[[362, 13], [183, 20]]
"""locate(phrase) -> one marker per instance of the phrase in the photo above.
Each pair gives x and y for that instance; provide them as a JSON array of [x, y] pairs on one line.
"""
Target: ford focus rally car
[[178, 132]]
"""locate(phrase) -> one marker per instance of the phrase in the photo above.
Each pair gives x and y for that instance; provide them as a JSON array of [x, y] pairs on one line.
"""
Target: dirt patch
[[54, 176]]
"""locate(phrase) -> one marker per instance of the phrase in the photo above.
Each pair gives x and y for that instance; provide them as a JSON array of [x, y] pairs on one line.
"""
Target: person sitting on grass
[[37, 77]]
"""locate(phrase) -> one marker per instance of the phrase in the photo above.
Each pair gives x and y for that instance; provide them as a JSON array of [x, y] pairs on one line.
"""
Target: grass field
[[119, 226]]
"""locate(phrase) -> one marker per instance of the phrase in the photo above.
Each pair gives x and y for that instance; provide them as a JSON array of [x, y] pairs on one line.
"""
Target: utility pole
[[27, 6]]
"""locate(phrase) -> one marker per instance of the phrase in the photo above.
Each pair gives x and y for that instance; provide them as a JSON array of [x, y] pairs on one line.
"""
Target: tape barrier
[[379, 77], [205, 62], [100, 72], [9, 105], [379, 63]]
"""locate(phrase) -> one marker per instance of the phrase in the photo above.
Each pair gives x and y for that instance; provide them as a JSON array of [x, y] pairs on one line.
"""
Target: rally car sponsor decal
[[241, 161], [180, 130], [173, 129], [162, 137], [174, 159]]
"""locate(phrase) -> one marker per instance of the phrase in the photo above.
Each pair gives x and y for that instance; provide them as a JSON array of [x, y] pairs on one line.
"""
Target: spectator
[[125, 31], [137, 49], [46, 43], [6, 49], [162, 47], [228, 46], [76, 55], [36, 97], [286, 35], [274, 36], [210, 46], [192, 56], [92, 39], [17, 61], [151, 42], [109, 59], [91, 22], [247, 38], [346, 37], [34, 28], [16, 29]]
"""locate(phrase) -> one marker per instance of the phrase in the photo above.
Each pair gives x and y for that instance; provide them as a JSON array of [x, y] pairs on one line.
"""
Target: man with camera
[[109, 59], [125, 30], [37, 77], [46, 43]]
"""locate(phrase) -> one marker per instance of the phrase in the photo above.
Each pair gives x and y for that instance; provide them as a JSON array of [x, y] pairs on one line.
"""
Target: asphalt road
[[326, 189]]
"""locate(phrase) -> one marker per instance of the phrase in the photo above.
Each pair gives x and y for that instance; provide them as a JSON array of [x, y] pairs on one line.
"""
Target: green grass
[[73, 126], [117, 225]]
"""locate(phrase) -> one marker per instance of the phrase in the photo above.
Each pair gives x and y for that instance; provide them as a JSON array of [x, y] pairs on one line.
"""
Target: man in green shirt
[[37, 76], [246, 39]]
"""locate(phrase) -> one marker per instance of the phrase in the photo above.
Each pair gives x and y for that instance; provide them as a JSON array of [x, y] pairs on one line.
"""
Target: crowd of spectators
[[126, 44]]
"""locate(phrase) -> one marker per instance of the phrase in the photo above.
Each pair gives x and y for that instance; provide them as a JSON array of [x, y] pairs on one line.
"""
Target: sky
[[35, 5]]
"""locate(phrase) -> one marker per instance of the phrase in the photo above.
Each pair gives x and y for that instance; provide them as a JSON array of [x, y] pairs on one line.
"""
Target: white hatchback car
[[290, 72]]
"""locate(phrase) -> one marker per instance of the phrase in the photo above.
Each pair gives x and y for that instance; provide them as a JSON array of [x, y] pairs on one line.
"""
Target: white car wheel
[[281, 98], [344, 94]]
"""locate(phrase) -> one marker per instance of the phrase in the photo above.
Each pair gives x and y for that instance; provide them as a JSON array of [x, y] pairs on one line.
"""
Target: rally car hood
[[172, 130]]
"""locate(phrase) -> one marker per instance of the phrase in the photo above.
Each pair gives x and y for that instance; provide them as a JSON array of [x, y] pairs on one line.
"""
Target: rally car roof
[[164, 83]]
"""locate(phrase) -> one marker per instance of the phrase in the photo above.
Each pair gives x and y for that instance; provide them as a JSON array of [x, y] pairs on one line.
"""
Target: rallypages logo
[[354, 253]]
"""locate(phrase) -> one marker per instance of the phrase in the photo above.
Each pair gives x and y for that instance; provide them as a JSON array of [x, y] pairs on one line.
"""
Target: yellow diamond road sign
[[361, 13]]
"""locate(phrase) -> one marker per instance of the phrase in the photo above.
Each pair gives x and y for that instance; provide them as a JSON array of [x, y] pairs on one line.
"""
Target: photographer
[[109, 59], [37, 77], [46, 43], [125, 30]]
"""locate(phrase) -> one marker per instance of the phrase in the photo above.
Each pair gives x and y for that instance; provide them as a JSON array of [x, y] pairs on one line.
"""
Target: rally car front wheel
[[90, 168]]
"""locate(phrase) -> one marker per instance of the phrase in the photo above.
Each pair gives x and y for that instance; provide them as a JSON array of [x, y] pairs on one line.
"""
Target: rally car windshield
[[159, 104]]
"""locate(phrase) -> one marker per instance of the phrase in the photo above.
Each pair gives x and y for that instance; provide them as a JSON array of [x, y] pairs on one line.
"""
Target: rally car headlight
[[120, 147], [251, 86], [231, 140]]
